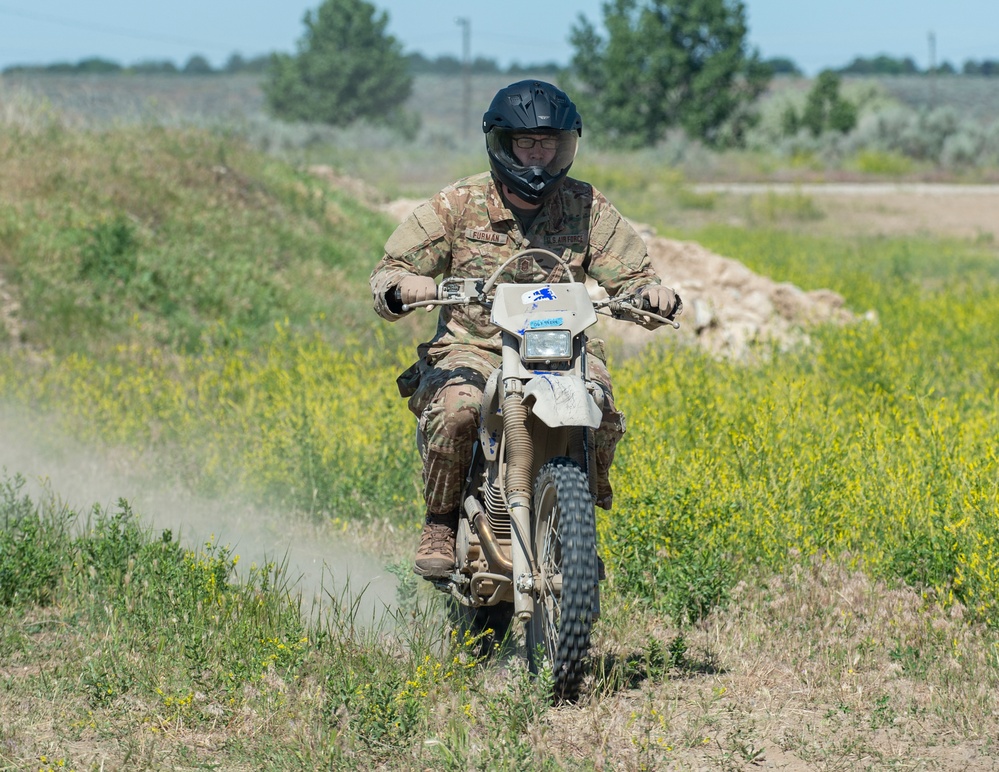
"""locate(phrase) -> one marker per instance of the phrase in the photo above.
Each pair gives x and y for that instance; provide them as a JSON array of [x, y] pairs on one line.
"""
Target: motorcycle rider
[[467, 230]]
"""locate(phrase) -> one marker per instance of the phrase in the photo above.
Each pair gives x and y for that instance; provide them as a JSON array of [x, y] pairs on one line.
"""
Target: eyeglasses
[[526, 143]]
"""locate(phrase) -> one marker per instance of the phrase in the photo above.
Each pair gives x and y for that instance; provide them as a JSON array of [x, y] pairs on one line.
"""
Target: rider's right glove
[[662, 300], [416, 289]]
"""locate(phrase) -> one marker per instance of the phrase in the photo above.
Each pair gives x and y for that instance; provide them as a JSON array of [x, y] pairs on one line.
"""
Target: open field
[[878, 209], [913, 113], [801, 560]]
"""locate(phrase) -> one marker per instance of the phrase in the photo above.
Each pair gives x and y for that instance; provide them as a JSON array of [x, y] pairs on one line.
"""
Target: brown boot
[[435, 557]]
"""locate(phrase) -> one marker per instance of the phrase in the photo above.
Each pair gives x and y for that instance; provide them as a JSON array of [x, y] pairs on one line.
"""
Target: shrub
[[33, 546]]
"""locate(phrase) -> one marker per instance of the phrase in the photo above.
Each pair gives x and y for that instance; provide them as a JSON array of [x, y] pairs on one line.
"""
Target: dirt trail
[[318, 560], [886, 209]]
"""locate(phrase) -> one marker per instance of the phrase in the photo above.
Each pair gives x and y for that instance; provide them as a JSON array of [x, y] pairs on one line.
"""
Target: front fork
[[519, 488], [518, 481]]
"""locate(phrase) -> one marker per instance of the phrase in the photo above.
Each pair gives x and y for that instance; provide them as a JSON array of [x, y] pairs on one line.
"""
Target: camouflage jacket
[[467, 231]]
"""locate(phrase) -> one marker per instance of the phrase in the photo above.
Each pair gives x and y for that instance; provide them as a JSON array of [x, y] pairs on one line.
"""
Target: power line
[[119, 31]]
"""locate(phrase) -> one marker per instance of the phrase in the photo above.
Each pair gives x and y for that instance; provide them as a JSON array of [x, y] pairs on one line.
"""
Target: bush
[[882, 163], [867, 129], [33, 546], [347, 68]]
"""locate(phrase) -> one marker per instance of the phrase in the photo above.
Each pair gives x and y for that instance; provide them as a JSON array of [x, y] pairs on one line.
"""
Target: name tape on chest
[[473, 234]]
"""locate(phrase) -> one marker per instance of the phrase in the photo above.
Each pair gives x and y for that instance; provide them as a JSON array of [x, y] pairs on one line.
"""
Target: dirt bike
[[526, 543]]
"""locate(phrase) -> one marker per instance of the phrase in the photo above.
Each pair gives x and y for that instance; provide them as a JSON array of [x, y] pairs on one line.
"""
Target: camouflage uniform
[[467, 231]]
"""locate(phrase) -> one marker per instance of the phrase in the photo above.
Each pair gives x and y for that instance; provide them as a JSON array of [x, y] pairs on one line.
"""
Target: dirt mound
[[727, 307], [400, 209], [355, 187]]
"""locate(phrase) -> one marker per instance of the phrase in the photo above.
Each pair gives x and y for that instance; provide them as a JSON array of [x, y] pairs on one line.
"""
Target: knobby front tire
[[565, 547]]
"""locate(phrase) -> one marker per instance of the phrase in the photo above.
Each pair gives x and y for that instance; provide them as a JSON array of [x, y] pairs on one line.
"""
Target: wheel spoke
[[548, 561]]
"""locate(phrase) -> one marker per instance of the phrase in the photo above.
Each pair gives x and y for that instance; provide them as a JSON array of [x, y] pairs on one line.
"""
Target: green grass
[[900, 413], [120, 647], [161, 656], [172, 232], [186, 298]]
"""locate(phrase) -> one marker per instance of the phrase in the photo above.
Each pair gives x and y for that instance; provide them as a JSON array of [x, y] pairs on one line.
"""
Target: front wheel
[[567, 594]]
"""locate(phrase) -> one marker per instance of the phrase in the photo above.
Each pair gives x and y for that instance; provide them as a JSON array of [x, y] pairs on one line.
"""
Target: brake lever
[[629, 308], [429, 304]]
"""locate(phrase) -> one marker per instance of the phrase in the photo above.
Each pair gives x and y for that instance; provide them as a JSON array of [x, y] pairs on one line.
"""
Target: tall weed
[[33, 548]]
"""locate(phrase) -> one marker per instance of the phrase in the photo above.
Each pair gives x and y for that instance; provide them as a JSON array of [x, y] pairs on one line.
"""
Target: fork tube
[[519, 453], [519, 457], [523, 583]]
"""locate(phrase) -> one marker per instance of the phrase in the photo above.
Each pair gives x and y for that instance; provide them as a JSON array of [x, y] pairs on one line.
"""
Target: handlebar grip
[[394, 298], [678, 309], [641, 302]]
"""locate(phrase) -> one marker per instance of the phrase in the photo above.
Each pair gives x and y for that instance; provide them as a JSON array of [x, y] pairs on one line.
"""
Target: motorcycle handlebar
[[457, 293], [437, 302]]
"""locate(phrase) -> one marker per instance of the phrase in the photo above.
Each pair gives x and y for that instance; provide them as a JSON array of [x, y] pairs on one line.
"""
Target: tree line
[[888, 65], [654, 66], [195, 65], [417, 63], [446, 64]]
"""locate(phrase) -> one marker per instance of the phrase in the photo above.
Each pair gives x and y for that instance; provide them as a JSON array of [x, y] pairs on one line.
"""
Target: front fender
[[562, 400]]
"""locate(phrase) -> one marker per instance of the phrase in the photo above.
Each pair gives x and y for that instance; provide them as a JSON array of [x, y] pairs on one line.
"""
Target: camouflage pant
[[447, 405]]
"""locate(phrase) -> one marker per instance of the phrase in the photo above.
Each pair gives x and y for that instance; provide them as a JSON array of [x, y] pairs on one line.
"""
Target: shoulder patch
[[604, 224], [418, 230]]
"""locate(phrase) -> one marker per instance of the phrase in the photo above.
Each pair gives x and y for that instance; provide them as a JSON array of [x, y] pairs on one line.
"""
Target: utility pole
[[933, 70], [466, 70]]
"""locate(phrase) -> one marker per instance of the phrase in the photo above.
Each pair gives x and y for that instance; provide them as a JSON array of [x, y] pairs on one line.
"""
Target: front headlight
[[542, 345]]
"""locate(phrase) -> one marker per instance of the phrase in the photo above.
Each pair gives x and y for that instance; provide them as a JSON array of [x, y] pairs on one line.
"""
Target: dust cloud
[[320, 563]]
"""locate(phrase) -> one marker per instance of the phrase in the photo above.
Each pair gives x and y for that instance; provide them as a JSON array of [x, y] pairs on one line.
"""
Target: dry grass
[[817, 669]]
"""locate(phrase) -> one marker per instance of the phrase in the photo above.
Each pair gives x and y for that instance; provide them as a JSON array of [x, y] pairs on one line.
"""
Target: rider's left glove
[[661, 300]]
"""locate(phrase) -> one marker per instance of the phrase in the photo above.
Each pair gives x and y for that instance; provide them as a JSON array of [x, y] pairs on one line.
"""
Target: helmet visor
[[519, 151]]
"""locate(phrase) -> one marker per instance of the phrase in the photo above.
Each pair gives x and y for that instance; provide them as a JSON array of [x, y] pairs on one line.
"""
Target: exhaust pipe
[[498, 562]]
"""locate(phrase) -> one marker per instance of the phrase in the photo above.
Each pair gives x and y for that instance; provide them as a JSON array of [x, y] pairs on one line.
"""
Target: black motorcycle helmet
[[531, 107]]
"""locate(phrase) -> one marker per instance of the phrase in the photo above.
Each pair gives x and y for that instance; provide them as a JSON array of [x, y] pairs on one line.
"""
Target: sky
[[814, 33]]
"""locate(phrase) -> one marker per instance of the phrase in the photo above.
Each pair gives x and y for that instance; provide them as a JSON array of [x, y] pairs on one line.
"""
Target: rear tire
[[567, 595]]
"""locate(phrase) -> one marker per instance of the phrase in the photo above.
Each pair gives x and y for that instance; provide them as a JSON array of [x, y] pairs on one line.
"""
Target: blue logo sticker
[[536, 296]]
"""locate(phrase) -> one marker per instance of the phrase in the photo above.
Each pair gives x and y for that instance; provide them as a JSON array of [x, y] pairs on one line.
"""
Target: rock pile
[[729, 308]]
